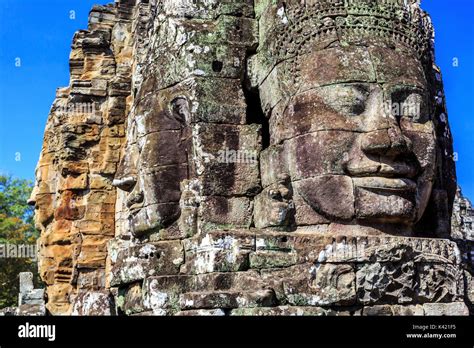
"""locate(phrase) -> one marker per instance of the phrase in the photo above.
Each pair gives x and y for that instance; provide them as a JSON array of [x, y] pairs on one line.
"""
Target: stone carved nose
[[129, 183], [126, 175], [386, 139], [386, 142], [32, 199]]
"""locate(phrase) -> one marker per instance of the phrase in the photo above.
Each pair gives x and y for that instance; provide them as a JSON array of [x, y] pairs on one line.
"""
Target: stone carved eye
[[408, 104], [348, 100]]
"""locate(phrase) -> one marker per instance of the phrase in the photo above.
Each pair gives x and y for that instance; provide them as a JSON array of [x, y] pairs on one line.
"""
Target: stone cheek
[[161, 185], [331, 196], [307, 113], [158, 149], [45, 212], [319, 153]]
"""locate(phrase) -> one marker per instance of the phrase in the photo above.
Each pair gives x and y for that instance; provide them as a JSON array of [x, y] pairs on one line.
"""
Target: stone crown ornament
[[393, 21]]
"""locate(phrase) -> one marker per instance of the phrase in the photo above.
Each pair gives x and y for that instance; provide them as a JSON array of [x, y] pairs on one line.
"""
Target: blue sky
[[39, 32]]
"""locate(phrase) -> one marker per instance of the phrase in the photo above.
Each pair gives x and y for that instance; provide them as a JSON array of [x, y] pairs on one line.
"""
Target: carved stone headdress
[[306, 23]]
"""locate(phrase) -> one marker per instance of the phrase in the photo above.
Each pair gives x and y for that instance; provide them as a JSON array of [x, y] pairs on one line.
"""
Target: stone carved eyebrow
[[404, 88], [362, 87]]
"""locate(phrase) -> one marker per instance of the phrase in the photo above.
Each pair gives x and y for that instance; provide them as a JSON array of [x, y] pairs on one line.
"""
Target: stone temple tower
[[251, 157]]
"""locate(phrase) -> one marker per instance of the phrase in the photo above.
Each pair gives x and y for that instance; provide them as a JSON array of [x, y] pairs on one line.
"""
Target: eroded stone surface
[[74, 196], [252, 158]]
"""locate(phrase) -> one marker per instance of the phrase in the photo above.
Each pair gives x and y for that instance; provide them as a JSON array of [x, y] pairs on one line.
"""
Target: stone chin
[[376, 200], [139, 224], [404, 205], [383, 200], [152, 218]]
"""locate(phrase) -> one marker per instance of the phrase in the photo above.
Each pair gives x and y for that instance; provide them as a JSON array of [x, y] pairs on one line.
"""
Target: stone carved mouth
[[384, 183], [125, 183], [135, 209], [384, 170]]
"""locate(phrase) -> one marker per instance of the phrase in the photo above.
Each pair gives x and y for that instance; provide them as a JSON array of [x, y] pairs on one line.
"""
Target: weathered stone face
[[252, 158], [352, 123], [156, 160]]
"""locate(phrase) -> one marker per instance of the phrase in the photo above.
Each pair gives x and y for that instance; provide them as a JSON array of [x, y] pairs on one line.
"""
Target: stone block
[[131, 263], [218, 252], [446, 309], [225, 299], [225, 213], [313, 284], [88, 303]]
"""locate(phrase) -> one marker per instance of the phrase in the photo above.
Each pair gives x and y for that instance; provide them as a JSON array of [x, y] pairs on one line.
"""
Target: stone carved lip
[[135, 209], [384, 170], [391, 184], [124, 183]]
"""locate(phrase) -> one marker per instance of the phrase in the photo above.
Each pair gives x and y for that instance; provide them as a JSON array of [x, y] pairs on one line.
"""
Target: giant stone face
[[351, 125], [155, 161], [353, 119], [359, 129]]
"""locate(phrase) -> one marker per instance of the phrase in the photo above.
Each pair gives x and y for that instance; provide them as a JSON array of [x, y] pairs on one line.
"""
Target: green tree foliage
[[16, 228]]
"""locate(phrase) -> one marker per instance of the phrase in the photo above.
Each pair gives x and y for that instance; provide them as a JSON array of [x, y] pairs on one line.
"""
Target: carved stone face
[[154, 163], [356, 137]]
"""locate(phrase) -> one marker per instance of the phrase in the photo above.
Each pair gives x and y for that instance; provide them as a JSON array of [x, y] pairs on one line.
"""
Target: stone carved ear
[[180, 110]]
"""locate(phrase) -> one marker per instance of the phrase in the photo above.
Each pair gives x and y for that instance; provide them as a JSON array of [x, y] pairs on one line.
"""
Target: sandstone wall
[[186, 191], [84, 134]]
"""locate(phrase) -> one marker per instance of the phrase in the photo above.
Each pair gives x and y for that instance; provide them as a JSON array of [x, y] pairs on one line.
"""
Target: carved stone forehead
[[339, 65], [358, 64]]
